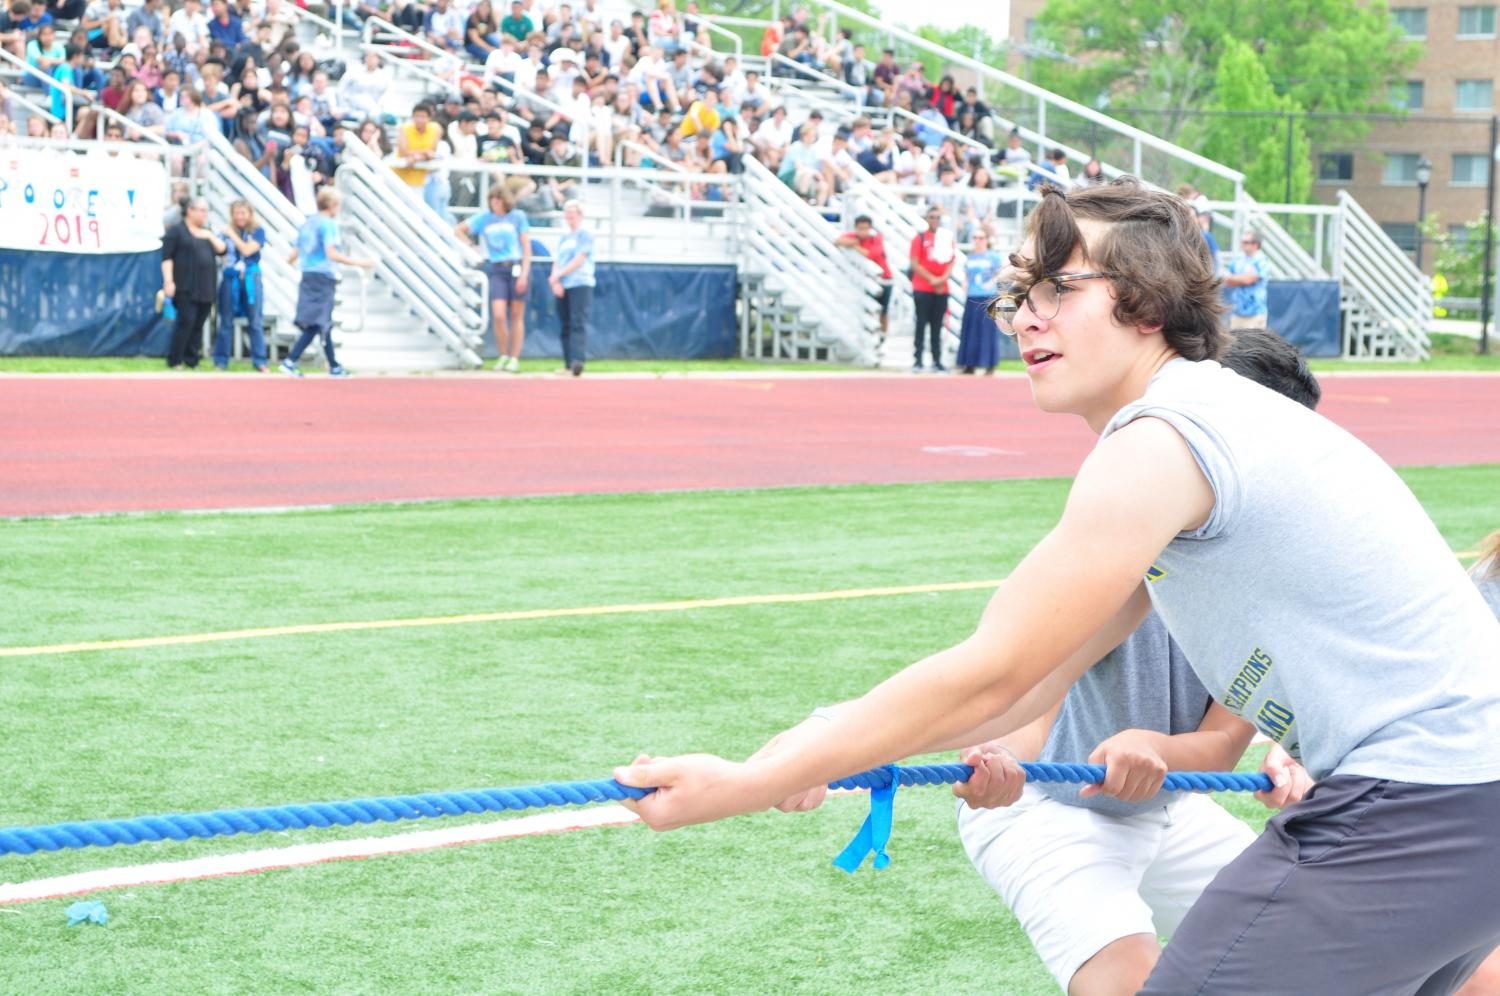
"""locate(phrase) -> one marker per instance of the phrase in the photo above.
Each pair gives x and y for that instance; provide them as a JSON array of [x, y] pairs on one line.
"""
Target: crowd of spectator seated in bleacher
[[527, 81]]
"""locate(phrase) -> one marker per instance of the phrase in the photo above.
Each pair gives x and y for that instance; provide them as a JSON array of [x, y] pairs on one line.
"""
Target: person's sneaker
[[337, 371], [513, 364], [917, 368], [502, 364], [290, 368], [938, 368], [221, 367], [577, 369], [260, 368]]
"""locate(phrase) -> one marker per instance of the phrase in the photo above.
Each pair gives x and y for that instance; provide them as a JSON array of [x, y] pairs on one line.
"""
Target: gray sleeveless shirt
[[1318, 600], [1143, 684]]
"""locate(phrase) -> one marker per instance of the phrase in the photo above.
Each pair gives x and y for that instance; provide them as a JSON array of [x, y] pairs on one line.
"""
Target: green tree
[[1162, 57], [1459, 261], [1243, 128]]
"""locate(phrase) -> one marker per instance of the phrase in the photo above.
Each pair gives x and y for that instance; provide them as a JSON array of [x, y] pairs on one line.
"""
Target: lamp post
[[1424, 176]]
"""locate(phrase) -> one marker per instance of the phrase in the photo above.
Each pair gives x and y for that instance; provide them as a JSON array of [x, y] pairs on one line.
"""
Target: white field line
[[300, 855]]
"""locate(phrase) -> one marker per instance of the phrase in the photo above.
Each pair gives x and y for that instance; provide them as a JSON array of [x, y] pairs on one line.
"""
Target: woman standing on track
[[572, 283], [979, 340], [241, 291], [502, 232]]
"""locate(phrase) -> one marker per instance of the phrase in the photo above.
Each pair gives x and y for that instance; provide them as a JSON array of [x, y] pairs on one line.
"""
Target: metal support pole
[[1288, 198], [1486, 286], [1421, 213]]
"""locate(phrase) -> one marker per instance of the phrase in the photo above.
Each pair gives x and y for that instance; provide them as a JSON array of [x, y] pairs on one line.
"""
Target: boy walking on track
[[318, 249], [1309, 590]]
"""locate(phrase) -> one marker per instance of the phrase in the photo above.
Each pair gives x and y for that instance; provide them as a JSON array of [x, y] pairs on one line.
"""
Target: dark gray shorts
[[1366, 886], [502, 281]]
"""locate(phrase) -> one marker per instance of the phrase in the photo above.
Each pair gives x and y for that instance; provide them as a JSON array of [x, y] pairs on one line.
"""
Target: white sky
[[991, 15]]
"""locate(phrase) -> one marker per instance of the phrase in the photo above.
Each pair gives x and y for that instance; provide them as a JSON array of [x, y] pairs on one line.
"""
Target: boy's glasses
[[1044, 298]]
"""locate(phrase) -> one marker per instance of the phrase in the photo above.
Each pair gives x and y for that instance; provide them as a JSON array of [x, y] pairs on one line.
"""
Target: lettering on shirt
[[1274, 720], [1244, 684]]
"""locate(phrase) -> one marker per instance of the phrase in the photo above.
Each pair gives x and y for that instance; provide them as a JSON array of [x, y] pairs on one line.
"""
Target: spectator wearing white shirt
[[913, 164], [836, 164], [527, 68], [617, 46], [655, 82], [365, 86], [681, 73], [501, 64], [754, 96], [192, 24], [444, 26], [772, 138]]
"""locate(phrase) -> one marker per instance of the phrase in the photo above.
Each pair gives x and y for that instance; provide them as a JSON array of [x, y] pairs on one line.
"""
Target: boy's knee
[[1120, 968]]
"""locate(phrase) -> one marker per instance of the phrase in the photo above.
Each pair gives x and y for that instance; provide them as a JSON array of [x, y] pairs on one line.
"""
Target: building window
[[1458, 235], [1400, 168], [1411, 20], [1408, 96], [1475, 95], [1335, 167], [1471, 170], [1476, 22], [1403, 233]]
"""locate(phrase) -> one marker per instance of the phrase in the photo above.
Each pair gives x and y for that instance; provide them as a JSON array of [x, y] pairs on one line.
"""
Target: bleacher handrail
[[817, 75], [797, 247], [1031, 89], [443, 262], [27, 69]]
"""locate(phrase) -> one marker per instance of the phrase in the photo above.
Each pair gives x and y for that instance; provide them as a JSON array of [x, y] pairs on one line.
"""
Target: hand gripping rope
[[229, 822]]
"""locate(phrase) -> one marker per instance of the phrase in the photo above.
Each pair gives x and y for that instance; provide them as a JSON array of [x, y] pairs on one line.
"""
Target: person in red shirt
[[932, 254], [869, 244]]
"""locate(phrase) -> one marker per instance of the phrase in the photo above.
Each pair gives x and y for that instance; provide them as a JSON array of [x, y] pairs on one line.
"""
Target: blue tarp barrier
[[641, 312], [1306, 314], [58, 304], [66, 304]]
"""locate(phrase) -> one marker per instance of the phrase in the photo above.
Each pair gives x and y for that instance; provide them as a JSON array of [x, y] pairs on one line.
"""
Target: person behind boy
[[318, 249]]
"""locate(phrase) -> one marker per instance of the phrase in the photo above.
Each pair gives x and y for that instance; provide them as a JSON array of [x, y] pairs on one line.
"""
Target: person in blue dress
[[319, 247], [241, 292], [979, 339], [503, 233], [572, 283]]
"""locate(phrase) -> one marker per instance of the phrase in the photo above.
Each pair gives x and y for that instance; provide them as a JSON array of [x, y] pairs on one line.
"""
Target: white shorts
[[1078, 880]]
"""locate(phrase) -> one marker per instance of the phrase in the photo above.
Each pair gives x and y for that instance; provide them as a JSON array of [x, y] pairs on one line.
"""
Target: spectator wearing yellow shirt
[[416, 143], [703, 116]]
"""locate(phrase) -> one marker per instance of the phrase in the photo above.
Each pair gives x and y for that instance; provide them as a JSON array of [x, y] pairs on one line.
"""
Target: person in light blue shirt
[[572, 283], [241, 292], [979, 338], [318, 249], [504, 234], [1246, 280]]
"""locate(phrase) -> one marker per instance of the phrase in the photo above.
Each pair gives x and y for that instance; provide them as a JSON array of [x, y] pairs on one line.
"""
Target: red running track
[[114, 444]]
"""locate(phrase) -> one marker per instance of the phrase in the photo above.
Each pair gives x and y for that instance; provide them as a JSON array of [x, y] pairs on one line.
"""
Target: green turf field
[[749, 906]]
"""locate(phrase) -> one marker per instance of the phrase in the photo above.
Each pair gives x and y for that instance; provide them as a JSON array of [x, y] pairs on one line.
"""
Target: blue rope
[[432, 805]]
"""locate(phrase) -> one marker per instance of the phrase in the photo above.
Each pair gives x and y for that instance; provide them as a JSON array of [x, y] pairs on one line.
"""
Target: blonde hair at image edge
[[1489, 557]]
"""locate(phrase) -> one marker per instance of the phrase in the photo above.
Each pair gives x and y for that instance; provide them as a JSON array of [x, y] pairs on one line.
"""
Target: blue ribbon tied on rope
[[875, 833]]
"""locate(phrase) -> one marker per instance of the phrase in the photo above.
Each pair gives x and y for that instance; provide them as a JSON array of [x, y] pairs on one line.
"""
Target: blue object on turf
[[87, 912]]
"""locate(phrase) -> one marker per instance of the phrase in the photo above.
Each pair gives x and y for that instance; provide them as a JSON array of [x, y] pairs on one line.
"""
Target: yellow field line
[[222, 636]]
